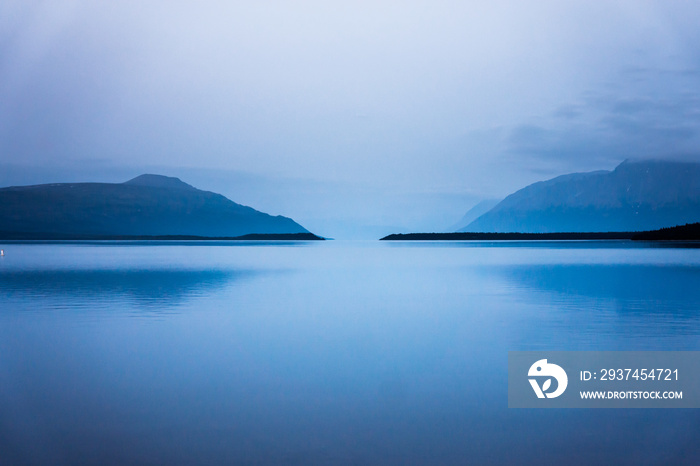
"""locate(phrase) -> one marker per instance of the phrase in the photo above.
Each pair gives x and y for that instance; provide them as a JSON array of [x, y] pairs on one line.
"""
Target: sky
[[355, 118]]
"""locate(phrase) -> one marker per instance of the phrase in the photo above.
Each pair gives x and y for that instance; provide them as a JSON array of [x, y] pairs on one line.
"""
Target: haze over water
[[329, 352]]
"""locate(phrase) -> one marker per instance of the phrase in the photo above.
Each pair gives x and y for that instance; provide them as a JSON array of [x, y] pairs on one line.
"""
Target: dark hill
[[149, 205], [159, 181], [636, 196], [688, 232]]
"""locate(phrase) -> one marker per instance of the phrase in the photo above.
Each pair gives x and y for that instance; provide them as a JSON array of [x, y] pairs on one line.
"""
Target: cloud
[[568, 112], [395, 98], [645, 113]]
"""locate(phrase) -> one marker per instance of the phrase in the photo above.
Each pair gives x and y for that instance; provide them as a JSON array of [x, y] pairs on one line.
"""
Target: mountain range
[[148, 205], [635, 196]]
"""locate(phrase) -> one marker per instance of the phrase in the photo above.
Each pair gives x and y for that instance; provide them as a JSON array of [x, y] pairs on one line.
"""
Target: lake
[[335, 352]]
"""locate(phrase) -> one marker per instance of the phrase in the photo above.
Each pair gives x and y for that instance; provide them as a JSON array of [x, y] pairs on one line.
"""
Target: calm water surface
[[329, 353]]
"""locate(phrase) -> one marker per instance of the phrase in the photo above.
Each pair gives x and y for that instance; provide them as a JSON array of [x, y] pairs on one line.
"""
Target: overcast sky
[[347, 116]]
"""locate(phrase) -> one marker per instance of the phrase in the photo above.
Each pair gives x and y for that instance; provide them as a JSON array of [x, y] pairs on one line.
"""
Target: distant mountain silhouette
[[636, 196], [475, 212], [148, 205]]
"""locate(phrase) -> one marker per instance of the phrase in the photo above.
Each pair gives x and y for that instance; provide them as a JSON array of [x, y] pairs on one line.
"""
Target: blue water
[[329, 352]]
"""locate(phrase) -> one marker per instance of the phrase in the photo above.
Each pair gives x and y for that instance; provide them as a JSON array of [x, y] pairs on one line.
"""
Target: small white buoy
[[2, 252]]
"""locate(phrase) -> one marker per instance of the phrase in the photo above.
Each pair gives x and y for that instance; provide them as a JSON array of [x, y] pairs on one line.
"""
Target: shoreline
[[249, 237], [687, 232]]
